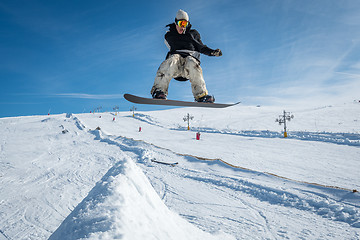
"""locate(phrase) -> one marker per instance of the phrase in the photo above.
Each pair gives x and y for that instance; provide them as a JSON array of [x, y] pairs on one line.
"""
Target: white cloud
[[89, 96]]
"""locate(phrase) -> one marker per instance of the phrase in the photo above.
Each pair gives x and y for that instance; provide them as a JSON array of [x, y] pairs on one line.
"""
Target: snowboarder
[[183, 60]]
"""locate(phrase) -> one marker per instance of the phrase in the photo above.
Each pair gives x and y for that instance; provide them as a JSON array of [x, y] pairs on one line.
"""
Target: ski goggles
[[182, 23]]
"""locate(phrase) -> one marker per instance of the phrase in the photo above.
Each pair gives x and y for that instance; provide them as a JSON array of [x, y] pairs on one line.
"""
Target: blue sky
[[74, 56]]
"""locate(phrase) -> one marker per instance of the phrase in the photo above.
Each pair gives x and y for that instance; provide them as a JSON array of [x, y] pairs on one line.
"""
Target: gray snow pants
[[178, 66]]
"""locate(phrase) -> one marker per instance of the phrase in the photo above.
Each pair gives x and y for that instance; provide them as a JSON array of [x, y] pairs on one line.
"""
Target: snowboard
[[164, 163], [142, 100]]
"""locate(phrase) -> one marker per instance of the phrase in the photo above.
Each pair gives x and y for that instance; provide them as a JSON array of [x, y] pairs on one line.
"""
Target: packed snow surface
[[100, 176]]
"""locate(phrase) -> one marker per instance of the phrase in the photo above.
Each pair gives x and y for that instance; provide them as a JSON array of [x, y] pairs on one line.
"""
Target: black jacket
[[188, 44]]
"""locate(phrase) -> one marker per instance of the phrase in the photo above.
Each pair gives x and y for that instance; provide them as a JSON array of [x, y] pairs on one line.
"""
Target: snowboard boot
[[206, 99], [159, 95]]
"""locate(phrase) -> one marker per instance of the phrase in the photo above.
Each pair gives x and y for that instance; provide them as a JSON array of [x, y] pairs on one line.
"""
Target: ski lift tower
[[187, 119], [133, 110], [283, 118], [116, 109]]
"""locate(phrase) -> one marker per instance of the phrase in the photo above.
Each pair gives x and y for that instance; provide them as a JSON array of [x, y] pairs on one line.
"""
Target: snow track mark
[[324, 207]]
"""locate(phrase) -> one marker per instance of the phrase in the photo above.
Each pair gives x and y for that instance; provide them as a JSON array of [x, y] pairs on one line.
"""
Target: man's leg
[[167, 70], [193, 72]]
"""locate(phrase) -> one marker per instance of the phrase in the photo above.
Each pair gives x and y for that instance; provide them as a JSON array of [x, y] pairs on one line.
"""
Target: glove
[[216, 53]]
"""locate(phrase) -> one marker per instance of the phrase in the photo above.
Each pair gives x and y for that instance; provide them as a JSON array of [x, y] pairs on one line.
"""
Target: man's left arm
[[202, 47]]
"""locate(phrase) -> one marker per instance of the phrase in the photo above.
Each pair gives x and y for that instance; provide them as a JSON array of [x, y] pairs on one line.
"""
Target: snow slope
[[123, 205], [63, 179]]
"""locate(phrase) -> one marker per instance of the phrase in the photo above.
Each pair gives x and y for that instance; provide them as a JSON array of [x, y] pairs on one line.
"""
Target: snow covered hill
[[93, 176]]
